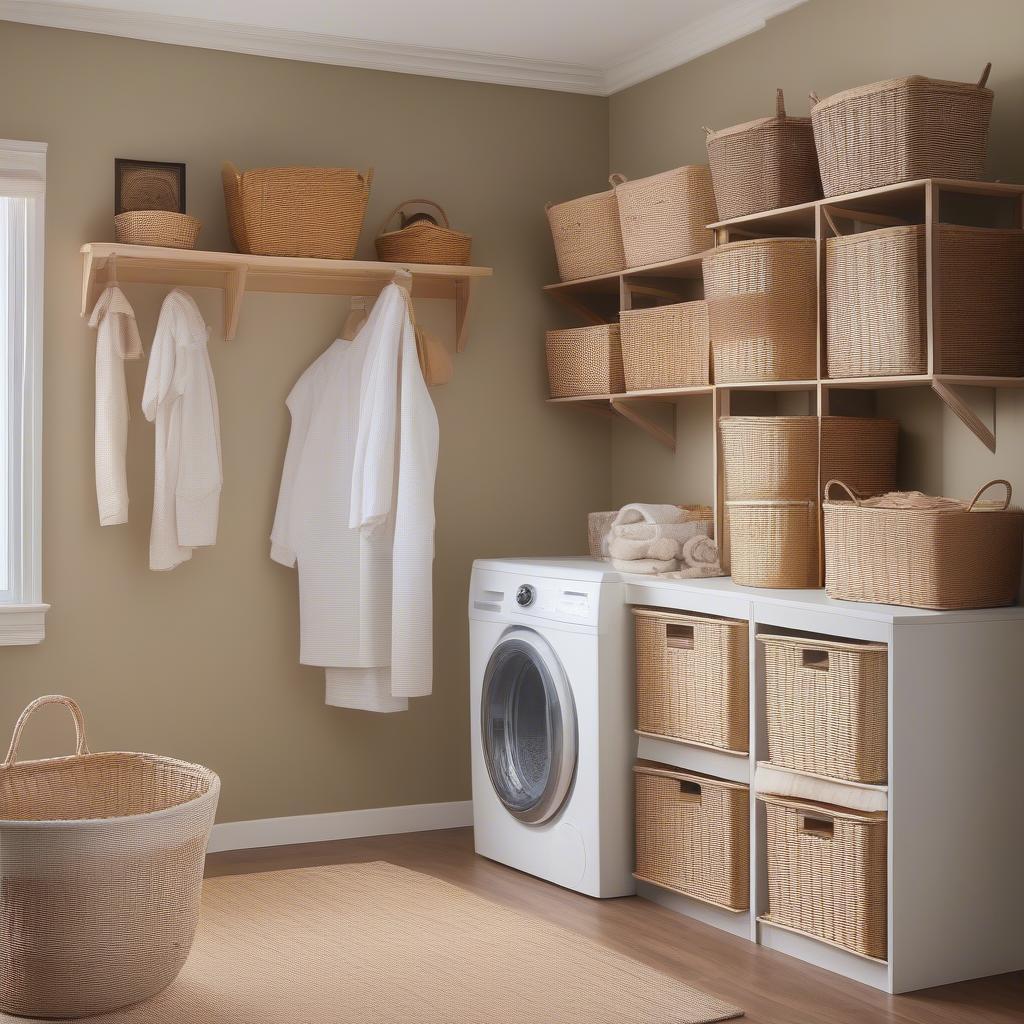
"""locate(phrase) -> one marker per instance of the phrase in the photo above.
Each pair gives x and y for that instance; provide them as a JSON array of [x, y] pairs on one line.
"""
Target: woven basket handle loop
[[708, 131], [81, 747], [984, 75], [813, 97], [1005, 505], [413, 202], [780, 105], [617, 179], [849, 491]]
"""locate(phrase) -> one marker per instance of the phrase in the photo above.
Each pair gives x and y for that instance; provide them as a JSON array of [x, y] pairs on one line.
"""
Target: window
[[22, 195]]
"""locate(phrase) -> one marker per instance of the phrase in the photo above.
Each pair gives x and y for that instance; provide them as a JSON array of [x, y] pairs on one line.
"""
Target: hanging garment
[[117, 339], [356, 513], [181, 397]]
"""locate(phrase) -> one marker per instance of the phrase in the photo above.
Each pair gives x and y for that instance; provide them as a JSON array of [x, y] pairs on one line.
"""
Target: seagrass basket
[[863, 450], [692, 835], [422, 241], [772, 457], [692, 681], [764, 164], [827, 707], [665, 217], [587, 236], [101, 870], [585, 361], [901, 130], [666, 346], [157, 227], [923, 552], [773, 543], [827, 872], [762, 310]]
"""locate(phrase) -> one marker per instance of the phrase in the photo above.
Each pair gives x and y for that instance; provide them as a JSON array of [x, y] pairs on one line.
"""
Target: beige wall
[[826, 46], [202, 662]]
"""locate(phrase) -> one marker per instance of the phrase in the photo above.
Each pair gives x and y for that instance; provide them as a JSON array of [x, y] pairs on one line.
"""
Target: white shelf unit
[[956, 813]]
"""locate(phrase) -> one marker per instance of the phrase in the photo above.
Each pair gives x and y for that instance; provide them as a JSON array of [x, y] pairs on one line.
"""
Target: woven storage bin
[[762, 310], [666, 346], [157, 227], [101, 870], [764, 164], [665, 217], [773, 543], [862, 450], [772, 457], [827, 872], [692, 835], [585, 361], [423, 241], [692, 680], [901, 130], [313, 212], [910, 549], [826, 704], [587, 236]]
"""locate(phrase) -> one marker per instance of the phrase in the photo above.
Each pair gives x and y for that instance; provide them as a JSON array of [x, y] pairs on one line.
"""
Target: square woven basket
[[666, 346], [585, 361]]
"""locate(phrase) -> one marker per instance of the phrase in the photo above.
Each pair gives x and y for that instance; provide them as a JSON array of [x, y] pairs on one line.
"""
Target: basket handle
[[849, 490], [617, 179], [780, 105], [984, 75], [1005, 505], [81, 747], [813, 97], [413, 202], [690, 792], [818, 826], [708, 132]]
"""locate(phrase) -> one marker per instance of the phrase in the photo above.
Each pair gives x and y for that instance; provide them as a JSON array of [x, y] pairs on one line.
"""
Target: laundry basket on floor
[[101, 869]]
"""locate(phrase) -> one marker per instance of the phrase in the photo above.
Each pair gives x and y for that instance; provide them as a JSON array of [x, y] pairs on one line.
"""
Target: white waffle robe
[[356, 513]]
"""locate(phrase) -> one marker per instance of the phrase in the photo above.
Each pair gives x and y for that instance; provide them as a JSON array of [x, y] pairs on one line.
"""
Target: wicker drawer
[[692, 678], [827, 707], [585, 361], [692, 835], [666, 347], [827, 872]]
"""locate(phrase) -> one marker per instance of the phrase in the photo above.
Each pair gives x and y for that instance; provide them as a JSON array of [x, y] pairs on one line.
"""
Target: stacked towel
[[699, 559], [648, 539]]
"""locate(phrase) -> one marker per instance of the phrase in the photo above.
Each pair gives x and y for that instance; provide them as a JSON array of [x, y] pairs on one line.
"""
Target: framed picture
[[148, 185]]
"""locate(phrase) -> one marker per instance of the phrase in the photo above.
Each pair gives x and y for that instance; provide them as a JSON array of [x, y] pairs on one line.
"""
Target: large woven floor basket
[[101, 869]]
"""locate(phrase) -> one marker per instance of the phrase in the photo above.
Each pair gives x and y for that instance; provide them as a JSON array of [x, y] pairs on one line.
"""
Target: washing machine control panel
[[526, 595], [557, 601]]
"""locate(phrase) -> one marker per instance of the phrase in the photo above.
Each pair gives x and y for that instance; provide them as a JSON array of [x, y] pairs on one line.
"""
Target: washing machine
[[551, 692]]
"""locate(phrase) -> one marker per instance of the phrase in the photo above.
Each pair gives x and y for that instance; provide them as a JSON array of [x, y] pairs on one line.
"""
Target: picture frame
[[148, 185]]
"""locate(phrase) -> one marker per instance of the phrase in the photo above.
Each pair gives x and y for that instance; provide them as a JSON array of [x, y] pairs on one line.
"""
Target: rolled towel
[[700, 572], [646, 566], [698, 552], [639, 513], [656, 531], [625, 549]]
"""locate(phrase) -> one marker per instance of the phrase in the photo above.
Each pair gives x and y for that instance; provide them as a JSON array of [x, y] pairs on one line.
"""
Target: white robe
[[356, 513], [181, 397], [117, 339]]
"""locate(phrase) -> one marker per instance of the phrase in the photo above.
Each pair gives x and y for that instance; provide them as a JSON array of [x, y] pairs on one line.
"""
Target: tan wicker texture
[[423, 241], [861, 450], [585, 361], [762, 310], [826, 704], [157, 227], [923, 552], [764, 164], [666, 346], [692, 680], [773, 543], [101, 868], [692, 835], [313, 212], [901, 130], [773, 457], [587, 236], [827, 873], [665, 217]]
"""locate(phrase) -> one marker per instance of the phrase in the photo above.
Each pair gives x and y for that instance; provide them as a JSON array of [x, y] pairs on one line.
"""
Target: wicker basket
[[826, 704], [585, 361], [100, 875], [423, 241], [774, 457], [764, 164], [901, 130], [692, 835], [827, 872], [666, 346], [861, 450], [157, 227], [313, 212], [587, 236], [665, 217], [910, 549], [762, 310], [773, 543], [692, 680]]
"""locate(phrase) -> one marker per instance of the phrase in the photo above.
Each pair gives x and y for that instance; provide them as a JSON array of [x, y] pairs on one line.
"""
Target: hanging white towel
[[181, 397], [356, 513], [117, 339]]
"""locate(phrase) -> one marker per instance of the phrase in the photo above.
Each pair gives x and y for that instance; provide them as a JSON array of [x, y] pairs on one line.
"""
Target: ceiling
[[584, 46]]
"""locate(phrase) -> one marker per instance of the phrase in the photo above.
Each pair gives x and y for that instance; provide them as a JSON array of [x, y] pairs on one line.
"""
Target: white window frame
[[22, 612]]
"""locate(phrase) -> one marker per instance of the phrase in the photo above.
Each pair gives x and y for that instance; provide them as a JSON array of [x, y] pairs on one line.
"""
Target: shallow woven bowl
[[157, 227]]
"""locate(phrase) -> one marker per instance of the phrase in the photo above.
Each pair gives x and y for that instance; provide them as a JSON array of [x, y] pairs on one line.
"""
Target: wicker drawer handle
[[690, 791], [815, 659], [678, 637], [81, 747], [992, 483], [820, 828]]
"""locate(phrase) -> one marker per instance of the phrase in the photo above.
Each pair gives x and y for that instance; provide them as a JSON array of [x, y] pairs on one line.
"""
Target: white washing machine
[[552, 721]]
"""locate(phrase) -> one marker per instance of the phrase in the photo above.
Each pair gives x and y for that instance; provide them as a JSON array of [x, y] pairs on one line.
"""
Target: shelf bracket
[[965, 413], [462, 293], [581, 309], [660, 434], [234, 292]]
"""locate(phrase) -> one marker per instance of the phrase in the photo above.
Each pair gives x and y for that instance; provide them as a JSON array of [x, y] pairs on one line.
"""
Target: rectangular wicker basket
[[827, 872], [666, 346], [692, 835], [773, 543], [692, 680], [826, 705], [585, 361], [587, 236]]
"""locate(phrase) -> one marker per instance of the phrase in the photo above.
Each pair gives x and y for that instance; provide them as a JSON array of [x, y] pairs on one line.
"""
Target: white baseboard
[[320, 828]]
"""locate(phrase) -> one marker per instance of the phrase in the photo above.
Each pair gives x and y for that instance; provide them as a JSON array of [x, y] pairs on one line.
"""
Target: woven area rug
[[378, 944]]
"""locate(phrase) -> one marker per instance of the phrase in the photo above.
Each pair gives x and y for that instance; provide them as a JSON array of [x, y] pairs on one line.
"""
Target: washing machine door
[[528, 726]]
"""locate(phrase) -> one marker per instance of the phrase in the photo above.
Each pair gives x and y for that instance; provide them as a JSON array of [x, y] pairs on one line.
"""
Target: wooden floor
[[771, 987]]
